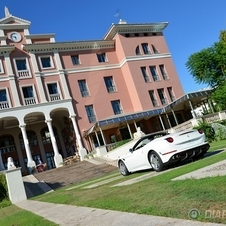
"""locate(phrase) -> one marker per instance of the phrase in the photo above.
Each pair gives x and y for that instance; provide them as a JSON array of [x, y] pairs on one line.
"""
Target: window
[[170, 91], [83, 88], [101, 57], [145, 48], [116, 106], [154, 49], [52, 88], [90, 113], [32, 138], [22, 67], [21, 64], [138, 50], [28, 94], [163, 71], [110, 84], [7, 144], [46, 62], [3, 99], [154, 73], [75, 60], [153, 99], [145, 75], [46, 138], [3, 96], [53, 91], [162, 96]]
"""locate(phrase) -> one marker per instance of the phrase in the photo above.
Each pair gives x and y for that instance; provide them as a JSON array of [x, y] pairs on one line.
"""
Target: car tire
[[155, 161], [123, 169]]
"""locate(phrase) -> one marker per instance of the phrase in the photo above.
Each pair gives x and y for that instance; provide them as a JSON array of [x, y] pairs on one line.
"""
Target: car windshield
[[145, 140]]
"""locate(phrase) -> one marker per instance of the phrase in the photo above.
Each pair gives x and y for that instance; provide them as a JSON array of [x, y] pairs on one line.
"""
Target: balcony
[[30, 101], [54, 97], [23, 74], [4, 104]]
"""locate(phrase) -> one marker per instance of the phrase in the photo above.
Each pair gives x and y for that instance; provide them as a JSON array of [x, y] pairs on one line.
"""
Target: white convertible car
[[158, 150]]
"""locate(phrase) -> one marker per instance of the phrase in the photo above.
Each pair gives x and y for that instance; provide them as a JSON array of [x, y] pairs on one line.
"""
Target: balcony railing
[[30, 101], [4, 104], [23, 74], [155, 103], [111, 89], [85, 93], [54, 97], [92, 119], [164, 101]]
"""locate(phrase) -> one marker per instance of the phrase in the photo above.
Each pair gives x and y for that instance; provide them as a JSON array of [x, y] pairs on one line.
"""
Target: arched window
[[137, 50], [46, 135], [32, 138], [7, 144], [145, 48]]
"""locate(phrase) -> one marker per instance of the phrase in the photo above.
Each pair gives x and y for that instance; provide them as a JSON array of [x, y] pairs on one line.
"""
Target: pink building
[[58, 98]]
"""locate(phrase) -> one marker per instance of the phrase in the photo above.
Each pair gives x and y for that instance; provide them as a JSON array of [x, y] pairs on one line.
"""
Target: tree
[[208, 66], [219, 97]]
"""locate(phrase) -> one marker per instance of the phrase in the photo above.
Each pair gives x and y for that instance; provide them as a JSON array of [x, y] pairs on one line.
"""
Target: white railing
[[211, 117], [4, 104], [54, 97], [23, 74], [183, 126], [30, 101]]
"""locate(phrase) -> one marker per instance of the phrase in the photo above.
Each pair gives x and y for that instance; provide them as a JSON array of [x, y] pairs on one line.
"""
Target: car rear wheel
[[156, 162], [123, 169]]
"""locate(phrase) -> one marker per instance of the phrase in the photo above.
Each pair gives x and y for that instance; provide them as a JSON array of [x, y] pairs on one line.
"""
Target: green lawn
[[156, 196]]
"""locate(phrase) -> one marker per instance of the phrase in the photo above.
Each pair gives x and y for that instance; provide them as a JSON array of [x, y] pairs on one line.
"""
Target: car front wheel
[[123, 169], [156, 162]]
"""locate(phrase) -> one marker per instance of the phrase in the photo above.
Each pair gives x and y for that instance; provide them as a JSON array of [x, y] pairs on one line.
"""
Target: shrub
[[3, 188], [120, 143], [208, 130]]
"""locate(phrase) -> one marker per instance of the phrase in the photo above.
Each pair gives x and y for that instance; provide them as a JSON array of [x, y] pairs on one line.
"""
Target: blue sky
[[193, 24]]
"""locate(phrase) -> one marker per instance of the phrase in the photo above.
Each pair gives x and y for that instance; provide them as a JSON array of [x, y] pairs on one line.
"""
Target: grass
[[14, 216], [155, 196]]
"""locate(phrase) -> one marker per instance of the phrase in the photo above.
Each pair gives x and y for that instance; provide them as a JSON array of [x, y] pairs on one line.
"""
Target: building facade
[[59, 98]]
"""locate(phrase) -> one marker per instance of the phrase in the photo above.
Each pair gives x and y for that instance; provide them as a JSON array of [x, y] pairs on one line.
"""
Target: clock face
[[15, 36]]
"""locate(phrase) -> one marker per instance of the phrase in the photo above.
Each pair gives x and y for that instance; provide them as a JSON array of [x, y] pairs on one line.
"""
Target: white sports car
[[158, 150]]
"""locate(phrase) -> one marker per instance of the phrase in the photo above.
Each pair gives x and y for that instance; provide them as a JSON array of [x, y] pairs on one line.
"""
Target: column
[[82, 151], [135, 124], [163, 127], [192, 109], [57, 156], [12, 80], [1, 163], [30, 161], [62, 75], [131, 136], [168, 120], [174, 116], [38, 78], [98, 141], [101, 132], [210, 105]]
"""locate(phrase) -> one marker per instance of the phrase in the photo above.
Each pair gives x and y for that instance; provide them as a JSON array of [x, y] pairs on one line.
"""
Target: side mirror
[[131, 150]]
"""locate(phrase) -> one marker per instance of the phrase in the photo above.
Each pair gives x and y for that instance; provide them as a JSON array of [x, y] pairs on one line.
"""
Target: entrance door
[[50, 160], [125, 133]]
